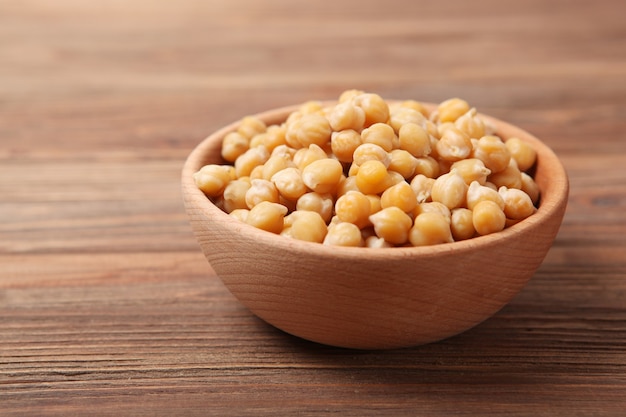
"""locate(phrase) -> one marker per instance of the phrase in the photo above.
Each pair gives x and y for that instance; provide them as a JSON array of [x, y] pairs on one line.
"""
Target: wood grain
[[107, 306]]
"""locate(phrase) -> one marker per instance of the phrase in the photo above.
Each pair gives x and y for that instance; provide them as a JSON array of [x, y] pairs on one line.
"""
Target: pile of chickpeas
[[371, 173]]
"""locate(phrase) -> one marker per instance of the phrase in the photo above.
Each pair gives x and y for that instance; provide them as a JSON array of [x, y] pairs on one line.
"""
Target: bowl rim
[[550, 203]]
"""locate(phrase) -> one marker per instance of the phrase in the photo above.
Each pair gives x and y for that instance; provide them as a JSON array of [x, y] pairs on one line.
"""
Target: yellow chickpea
[[380, 134], [392, 224], [375, 107], [414, 139], [344, 234], [477, 193], [452, 109], [422, 186], [275, 164], [267, 216], [346, 184], [346, 115], [493, 152], [234, 145], [235, 195], [250, 159], [289, 183], [454, 145], [402, 162], [353, 207], [471, 169], [400, 116], [523, 153], [430, 228], [400, 195], [530, 187], [462, 224], [427, 166], [371, 152], [344, 143], [323, 175], [510, 177], [311, 129], [212, 179], [261, 190], [372, 177], [305, 225], [304, 156], [449, 189], [240, 214], [250, 126], [323, 204], [488, 217], [517, 204], [470, 124], [274, 137]]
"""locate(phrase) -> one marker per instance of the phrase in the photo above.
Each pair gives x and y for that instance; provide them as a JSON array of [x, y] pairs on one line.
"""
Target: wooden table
[[107, 306]]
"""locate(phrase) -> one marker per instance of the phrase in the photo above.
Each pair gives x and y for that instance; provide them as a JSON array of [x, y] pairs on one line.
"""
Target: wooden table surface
[[107, 305]]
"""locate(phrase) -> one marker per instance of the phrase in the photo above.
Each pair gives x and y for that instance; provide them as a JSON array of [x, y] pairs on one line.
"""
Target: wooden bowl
[[374, 298]]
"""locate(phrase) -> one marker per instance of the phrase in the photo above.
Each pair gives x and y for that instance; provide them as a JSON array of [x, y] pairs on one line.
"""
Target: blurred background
[[158, 76]]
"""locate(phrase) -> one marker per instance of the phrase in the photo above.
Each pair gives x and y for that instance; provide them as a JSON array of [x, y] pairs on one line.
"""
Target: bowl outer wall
[[374, 298]]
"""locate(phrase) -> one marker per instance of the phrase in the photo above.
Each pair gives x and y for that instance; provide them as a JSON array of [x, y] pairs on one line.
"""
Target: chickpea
[[517, 204], [402, 162], [414, 139], [353, 207], [235, 195], [372, 177], [323, 175], [524, 154], [250, 159], [305, 156], [380, 134], [275, 164], [323, 204], [462, 224], [234, 145], [371, 152], [289, 183], [392, 224], [493, 152], [454, 145], [347, 116], [430, 229], [477, 193], [488, 217], [344, 234], [422, 186], [267, 216], [376, 109], [250, 126], [471, 169], [400, 195], [305, 225], [510, 177], [401, 116], [449, 189], [470, 124], [212, 179], [343, 144], [530, 187], [261, 190], [450, 110]]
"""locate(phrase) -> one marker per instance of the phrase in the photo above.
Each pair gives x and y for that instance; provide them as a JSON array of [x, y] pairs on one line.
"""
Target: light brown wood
[[374, 298], [107, 304]]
